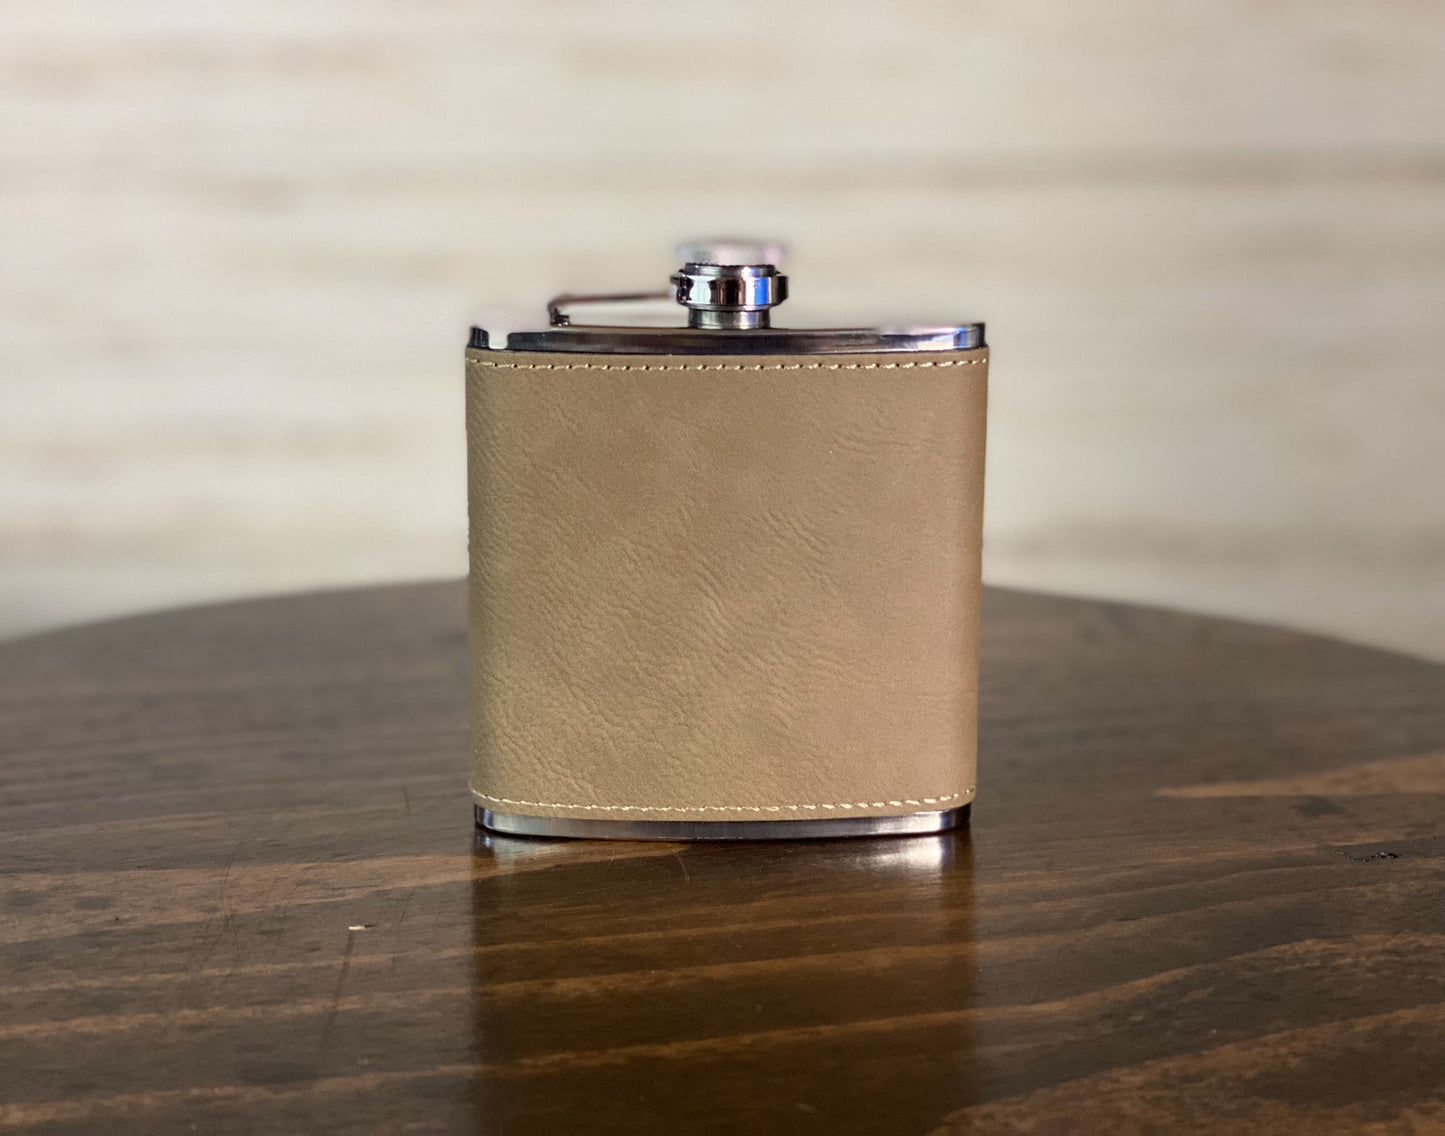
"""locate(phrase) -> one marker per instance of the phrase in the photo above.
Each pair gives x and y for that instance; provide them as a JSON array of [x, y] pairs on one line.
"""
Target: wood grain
[[241, 893]]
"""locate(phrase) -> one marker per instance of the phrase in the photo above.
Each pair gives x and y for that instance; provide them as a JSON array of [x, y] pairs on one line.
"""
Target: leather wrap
[[724, 587]]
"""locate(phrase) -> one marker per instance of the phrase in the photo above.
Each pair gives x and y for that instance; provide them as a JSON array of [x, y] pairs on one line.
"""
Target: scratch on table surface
[[340, 984], [405, 906]]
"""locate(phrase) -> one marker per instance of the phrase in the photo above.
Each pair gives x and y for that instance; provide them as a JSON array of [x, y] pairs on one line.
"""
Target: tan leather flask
[[724, 573]]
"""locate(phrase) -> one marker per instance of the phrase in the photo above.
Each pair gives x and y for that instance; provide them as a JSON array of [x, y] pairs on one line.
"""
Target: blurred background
[[241, 243]]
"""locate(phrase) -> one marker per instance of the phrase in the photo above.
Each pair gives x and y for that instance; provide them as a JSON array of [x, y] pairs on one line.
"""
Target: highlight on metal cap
[[731, 252]]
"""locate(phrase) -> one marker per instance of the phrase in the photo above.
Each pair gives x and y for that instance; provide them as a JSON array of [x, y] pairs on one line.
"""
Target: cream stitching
[[727, 366], [724, 808]]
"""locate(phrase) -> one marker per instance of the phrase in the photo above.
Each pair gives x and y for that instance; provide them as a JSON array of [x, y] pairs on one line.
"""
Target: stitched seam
[[728, 366], [726, 808]]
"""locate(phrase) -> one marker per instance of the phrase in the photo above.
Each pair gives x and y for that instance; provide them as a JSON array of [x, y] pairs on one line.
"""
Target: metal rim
[[910, 824], [605, 340]]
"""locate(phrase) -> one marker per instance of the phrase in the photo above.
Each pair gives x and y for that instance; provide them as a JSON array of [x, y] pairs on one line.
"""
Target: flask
[[724, 573]]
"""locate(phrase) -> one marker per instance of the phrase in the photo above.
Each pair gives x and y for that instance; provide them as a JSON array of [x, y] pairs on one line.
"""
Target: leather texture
[[724, 588]]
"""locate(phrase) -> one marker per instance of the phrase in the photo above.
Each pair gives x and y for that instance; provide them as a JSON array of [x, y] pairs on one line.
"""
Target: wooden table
[[1204, 892]]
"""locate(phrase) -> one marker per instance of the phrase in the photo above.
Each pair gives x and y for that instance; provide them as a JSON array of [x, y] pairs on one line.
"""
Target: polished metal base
[[826, 829]]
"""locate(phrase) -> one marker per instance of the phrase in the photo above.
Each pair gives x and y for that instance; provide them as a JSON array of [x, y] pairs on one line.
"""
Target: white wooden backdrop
[[240, 241]]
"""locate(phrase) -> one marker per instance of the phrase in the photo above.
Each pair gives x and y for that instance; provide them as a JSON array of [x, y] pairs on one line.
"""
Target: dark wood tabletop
[[1203, 892]]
